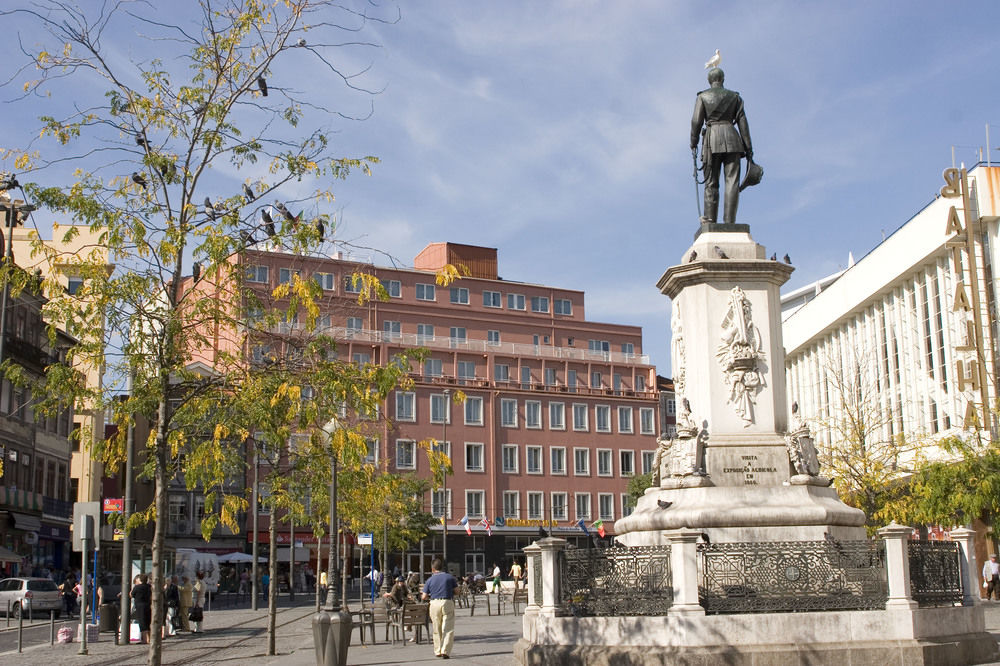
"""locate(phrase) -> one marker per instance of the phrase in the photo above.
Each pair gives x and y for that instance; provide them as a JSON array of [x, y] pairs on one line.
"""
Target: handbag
[[986, 584], [195, 614]]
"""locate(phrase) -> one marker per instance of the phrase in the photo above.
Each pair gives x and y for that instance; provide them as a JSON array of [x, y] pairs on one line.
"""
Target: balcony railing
[[480, 346], [12, 497], [57, 507]]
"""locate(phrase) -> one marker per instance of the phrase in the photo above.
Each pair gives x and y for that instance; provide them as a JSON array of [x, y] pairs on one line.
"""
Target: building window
[[648, 458], [459, 296], [595, 380], [405, 454], [558, 506], [177, 509], [533, 459], [647, 422], [392, 288], [466, 371], [257, 274], [602, 413], [491, 299], [515, 301], [536, 505], [581, 462], [550, 376], [352, 284], [456, 335], [441, 503], [532, 414], [580, 417], [285, 275], [571, 380], [557, 416], [640, 383], [73, 284], [624, 420], [473, 411], [371, 455], [433, 367], [562, 306], [511, 504], [582, 506], [525, 377], [440, 408], [361, 358], [501, 372], [355, 324], [558, 460], [508, 412], [393, 330], [628, 504], [493, 338], [599, 348], [509, 458], [327, 281], [605, 506], [626, 463], [539, 304], [425, 292], [671, 406], [473, 457], [406, 406], [425, 332], [604, 462], [474, 503]]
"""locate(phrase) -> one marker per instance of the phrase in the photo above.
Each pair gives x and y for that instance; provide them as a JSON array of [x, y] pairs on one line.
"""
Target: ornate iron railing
[[935, 573], [792, 576], [615, 581], [536, 583]]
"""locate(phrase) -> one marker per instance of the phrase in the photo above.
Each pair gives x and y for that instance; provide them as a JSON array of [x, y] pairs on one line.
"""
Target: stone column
[[551, 548], [532, 555], [898, 563], [967, 563], [684, 571]]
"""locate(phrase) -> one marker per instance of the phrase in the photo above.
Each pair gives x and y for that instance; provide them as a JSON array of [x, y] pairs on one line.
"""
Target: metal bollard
[[52, 627], [20, 629], [8, 614]]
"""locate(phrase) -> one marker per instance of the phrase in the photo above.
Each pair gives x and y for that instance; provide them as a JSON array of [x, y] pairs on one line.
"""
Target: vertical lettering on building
[[967, 380]]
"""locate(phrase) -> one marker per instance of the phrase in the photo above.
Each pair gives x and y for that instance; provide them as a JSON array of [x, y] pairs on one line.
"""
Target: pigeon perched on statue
[[714, 60]]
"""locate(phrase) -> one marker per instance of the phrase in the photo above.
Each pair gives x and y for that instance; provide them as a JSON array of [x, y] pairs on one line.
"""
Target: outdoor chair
[[413, 617], [520, 597], [462, 596], [476, 598]]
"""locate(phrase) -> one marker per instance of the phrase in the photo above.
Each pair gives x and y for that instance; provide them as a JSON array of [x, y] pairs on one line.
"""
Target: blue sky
[[557, 132]]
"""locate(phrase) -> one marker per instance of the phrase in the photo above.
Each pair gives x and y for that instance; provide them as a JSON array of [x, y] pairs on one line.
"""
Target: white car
[[34, 597]]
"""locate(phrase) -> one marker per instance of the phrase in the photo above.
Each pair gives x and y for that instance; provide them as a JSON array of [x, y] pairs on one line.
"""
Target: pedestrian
[[171, 606], [68, 595], [991, 578], [244, 583], [515, 573], [440, 589], [186, 602], [322, 582], [197, 614], [496, 578], [265, 582], [142, 600], [398, 595]]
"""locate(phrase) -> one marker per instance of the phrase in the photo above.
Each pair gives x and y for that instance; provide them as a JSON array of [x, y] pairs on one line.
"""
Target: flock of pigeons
[[721, 254]]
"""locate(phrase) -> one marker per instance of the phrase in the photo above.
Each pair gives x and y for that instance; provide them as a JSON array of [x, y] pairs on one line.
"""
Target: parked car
[[31, 596]]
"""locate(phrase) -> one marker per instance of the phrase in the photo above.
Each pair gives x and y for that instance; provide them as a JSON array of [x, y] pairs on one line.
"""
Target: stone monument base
[[940, 636]]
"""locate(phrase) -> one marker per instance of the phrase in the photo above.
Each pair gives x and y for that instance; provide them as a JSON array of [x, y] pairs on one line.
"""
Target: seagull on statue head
[[714, 60]]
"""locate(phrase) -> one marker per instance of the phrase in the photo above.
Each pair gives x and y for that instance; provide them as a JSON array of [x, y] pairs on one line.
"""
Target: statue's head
[[716, 75]]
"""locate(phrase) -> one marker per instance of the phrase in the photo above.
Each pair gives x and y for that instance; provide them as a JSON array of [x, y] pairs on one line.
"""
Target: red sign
[[114, 505]]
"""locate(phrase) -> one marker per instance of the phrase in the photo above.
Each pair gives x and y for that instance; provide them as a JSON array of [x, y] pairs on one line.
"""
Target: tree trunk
[[272, 587], [159, 527]]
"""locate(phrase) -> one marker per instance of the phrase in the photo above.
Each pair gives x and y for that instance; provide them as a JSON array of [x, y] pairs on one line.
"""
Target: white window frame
[[257, 274], [355, 324], [433, 367], [326, 281], [393, 330], [471, 446], [406, 406], [539, 497], [562, 306], [585, 408], [629, 425], [527, 459], [581, 515], [627, 506], [501, 375], [558, 410], [422, 332], [622, 454], [648, 460], [516, 302], [493, 338], [351, 286], [552, 458], [468, 504], [440, 402], [597, 418], [536, 407], [559, 510], [647, 421], [424, 292], [458, 295], [491, 297], [576, 468], [540, 304], [508, 408], [477, 417], [392, 287], [436, 503], [504, 451], [514, 510], [412, 446], [610, 499], [608, 455]]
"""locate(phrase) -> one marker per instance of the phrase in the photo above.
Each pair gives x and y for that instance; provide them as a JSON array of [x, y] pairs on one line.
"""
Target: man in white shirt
[[991, 577]]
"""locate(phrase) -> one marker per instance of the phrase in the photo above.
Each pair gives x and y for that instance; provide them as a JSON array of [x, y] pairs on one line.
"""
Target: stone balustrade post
[[551, 548], [898, 564], [684, 571], [967, 563], [533, 559]]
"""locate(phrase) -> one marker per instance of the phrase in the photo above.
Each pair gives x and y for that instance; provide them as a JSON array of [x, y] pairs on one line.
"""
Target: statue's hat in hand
[[755, 173]]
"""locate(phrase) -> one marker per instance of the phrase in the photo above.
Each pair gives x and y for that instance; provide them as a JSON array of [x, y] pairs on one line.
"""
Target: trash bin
[[109, 617]]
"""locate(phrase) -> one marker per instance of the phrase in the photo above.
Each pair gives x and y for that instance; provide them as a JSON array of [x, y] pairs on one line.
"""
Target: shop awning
[[7, 555], [23, 521]]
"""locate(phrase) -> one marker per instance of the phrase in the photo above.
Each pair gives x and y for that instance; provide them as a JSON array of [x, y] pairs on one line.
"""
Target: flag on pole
[[583, 526], [485, 523], [465, 523], [599, 524]]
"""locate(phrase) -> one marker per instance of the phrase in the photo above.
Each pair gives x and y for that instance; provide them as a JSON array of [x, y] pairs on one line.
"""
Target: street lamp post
[[13, 210], [444, 485]]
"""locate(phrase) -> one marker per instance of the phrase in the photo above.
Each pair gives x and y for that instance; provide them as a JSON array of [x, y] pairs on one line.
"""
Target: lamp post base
[[332, 637]]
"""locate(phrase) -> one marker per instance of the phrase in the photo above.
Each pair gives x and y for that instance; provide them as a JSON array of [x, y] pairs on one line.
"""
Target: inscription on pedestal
[[748, 466]]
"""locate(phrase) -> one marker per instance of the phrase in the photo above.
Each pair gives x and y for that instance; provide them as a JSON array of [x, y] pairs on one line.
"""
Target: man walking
[[991, 578], [440, 589]]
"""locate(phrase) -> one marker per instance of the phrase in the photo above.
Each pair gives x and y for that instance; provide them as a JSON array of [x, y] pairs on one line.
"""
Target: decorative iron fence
[[615, 581], [792, 576], [935, 572]]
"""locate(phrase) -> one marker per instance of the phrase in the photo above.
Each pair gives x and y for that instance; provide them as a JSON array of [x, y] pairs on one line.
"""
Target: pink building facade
[[560, 412]]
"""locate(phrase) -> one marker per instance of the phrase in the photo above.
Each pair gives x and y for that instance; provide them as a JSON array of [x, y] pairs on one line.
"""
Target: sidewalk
[[239, 635]]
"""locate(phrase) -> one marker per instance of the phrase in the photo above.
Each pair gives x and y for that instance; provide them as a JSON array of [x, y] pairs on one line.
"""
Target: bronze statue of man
[[726, 140]]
